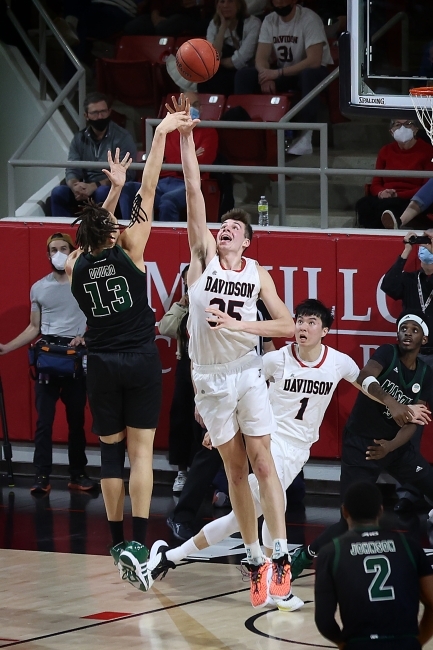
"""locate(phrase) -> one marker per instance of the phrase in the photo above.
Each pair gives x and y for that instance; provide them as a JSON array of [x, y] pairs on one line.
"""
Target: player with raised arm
[[231, 397], [303, 377], [108, 280]]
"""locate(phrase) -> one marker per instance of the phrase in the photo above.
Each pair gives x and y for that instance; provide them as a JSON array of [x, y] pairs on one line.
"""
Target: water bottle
[[263, 210]]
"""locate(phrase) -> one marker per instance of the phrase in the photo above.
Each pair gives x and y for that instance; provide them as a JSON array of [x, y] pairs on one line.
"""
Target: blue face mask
[[194, 112], [424, 255]]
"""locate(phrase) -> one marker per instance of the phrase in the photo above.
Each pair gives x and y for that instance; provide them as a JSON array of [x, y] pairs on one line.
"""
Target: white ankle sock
[[177, 554], [279, 548], [254, 553]]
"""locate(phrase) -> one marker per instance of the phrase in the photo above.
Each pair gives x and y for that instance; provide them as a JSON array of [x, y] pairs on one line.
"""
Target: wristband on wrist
[[367, 381]]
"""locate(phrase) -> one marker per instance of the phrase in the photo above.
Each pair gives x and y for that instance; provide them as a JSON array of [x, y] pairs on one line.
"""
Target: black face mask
[[100, 124], [283, 11]]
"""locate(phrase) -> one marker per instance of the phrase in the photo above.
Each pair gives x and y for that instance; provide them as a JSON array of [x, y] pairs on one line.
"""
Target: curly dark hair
[[94, 227]]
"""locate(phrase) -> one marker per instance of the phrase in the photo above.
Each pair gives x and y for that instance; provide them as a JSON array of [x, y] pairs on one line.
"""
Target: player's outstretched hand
[[420, 414], [118, 168], [176, 120], [182, 105], [218, 319], [380, 450]]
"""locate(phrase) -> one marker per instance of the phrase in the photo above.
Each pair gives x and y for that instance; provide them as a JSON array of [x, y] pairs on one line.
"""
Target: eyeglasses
[[409, 124], [103, 113]]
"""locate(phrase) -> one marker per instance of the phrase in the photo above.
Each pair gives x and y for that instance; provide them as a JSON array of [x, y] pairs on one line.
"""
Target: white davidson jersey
[[233, 292], [300, 391]]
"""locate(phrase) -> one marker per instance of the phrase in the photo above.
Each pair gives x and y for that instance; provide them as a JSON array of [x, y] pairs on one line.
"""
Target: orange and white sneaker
[[280, 581], [260, 576]]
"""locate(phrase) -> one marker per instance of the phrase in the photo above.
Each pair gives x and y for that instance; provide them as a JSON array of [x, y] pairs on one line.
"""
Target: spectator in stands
[[92, 144], [170, 197], [390, 196], [54, 314], [185, 432], [170, 18], [296, 37], [234, 35]]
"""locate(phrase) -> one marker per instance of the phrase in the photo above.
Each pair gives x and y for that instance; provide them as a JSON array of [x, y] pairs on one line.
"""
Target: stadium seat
[[131, 82], [251, 147], [145, 48], [211, 195], [211, 106]]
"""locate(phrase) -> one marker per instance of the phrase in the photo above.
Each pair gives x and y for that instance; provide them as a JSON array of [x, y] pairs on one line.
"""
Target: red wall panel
[[342, 270]]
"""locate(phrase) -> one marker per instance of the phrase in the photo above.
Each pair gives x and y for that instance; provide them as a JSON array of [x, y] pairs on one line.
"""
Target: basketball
[[197, 60]]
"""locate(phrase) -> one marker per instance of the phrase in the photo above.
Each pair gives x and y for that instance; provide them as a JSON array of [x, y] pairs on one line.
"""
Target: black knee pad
[[113, 459]]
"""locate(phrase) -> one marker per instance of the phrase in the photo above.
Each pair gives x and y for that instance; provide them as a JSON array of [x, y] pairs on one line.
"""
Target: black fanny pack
[[56, 360]]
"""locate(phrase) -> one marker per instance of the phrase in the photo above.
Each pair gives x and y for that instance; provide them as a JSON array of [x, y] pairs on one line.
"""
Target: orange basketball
[[197, 60]]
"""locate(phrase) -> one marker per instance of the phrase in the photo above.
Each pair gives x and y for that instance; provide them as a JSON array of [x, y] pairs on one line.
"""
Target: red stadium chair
[[211, 106], [149, 48], [211, 195], [131, 82], [254, 147]]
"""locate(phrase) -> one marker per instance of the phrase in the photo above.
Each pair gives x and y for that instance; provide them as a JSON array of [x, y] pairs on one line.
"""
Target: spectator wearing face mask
[[56, 317], [92, 144], [170, 197], [390, 196]]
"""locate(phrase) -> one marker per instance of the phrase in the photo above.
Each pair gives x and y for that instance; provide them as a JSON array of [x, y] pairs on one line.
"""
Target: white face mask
[[403, 134], [59, 260]]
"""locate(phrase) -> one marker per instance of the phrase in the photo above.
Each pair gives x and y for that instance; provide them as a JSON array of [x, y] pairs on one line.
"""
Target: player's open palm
[[118, 168]]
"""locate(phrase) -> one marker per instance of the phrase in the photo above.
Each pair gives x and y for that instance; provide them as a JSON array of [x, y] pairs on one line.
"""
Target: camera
[[414, 239]]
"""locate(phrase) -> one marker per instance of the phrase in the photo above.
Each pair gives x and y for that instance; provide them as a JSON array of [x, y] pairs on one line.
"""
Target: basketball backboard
[[387, 49]]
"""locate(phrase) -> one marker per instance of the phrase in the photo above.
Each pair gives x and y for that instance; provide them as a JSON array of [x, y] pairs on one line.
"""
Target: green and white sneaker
[[115, 552], [300, 560], [133, 560]]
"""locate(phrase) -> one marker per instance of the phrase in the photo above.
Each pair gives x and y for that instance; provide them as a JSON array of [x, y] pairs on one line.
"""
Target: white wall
[[20, 111]]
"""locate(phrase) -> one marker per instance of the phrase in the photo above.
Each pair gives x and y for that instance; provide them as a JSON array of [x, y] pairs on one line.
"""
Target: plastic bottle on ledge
[[263, 210]]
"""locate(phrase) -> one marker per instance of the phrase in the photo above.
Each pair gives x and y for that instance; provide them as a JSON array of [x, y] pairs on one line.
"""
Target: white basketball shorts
[[233, 396]]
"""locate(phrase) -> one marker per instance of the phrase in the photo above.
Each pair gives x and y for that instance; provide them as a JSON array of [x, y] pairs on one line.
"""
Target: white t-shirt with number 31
[[291, 39]]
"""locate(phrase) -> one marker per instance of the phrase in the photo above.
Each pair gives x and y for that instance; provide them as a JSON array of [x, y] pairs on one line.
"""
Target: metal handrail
[[44, 73], [311, 95], [323, 171]]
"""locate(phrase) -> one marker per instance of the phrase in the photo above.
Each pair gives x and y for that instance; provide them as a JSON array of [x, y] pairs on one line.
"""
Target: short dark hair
[[363, 501], [95, 226], [237, 214], [95, 98], [313, 307]]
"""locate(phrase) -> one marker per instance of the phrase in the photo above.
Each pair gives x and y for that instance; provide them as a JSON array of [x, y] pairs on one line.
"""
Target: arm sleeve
[[212, 31], [325, 596], [348, 369], [314, 32], [273, 365], [393, 280], [383, 354], [265, 35], [377, 184], [248, 46], [34, 304], [74, 154], [169, 323]]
